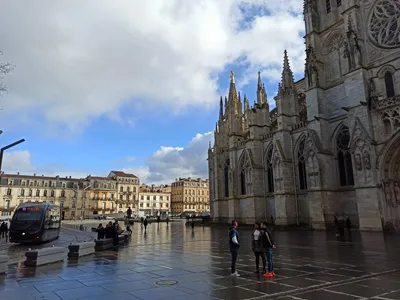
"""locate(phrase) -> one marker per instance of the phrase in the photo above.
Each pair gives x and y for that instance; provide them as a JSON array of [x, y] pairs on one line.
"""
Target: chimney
[[34, 174], [18, 173]]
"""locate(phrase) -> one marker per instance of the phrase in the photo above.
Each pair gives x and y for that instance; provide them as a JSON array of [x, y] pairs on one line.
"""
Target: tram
[[35, 222]]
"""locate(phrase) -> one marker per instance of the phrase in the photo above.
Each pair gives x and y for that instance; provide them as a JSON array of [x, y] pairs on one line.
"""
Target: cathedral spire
[[260, 91], [260, 84], [232, 88], [246, 103], [221, 109], [287, 74]]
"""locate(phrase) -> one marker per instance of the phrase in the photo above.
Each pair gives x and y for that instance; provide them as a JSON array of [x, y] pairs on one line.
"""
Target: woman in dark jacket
[[256, 245], [101, 232]]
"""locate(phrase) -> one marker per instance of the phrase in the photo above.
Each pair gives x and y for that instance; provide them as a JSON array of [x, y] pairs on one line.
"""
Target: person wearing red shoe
[[268, 245]]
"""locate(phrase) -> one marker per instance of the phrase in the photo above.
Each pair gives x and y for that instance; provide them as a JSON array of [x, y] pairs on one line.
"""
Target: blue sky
[[119, 99]]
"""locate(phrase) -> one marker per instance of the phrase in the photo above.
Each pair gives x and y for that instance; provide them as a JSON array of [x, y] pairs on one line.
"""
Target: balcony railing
[[387, 102]]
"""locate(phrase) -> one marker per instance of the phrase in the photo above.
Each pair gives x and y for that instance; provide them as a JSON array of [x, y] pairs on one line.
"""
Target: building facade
[[190, 195], [128, 190], [331, 144], [78, 197], [154, 200]]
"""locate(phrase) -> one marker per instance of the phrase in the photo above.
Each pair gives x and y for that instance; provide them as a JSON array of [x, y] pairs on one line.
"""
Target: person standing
[[145, 223], [268, 245], [256, 245], [234, 246], [129, 213]]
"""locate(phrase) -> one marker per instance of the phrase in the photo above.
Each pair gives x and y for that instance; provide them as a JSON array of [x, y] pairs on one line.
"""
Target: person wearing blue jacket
[[234, 245]]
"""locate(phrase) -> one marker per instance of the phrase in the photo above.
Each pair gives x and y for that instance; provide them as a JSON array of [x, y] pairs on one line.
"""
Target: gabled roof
[[123, 174]]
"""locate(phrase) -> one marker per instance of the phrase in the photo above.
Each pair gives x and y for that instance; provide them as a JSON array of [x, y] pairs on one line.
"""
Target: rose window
[[384, 23]]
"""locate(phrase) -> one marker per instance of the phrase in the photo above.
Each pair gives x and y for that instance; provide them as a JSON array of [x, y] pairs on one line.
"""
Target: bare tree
[[5, 68]]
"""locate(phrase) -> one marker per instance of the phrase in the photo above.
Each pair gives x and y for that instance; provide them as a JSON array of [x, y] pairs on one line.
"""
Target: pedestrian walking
[[129, 213], [256, 245], [192, 224], [268, 245], [234, 246], [145, 223]]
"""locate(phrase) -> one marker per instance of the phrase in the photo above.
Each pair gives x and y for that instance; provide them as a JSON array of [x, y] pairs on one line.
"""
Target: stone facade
[[190, 195], [78, 197], [155, 200], [331, 145]]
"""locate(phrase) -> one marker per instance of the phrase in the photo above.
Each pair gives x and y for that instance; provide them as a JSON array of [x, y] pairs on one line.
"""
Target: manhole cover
[[166, 282]]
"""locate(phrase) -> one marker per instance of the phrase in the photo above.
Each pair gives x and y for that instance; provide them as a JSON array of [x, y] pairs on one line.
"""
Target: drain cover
[[166, 282]]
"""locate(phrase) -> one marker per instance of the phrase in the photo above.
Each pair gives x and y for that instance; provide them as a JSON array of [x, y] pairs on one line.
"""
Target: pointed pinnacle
[[259, 80]]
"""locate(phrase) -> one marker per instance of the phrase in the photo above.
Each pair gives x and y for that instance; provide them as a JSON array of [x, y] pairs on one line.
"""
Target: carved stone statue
[[397, 191], [355, 50], [367, 161], [232, 77], [352, 47], [357, 160], [372, 93], [311, 69], [388, 194]]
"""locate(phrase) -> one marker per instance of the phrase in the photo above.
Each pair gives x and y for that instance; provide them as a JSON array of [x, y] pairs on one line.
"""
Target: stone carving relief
[[361, 149], [372, 94], [311, 69], [391, 120], [357, 160], [313, 165], [384, 25], [333, 52], [245, 167], [352, 50]]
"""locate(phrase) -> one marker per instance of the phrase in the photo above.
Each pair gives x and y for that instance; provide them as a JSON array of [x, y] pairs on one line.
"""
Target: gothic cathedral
[[332, 143]]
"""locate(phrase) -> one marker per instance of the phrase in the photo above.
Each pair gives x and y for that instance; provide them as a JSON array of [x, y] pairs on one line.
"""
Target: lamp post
[[83, 200], [8, 147]]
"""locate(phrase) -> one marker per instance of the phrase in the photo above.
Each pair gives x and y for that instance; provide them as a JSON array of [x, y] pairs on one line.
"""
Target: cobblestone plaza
[[175, 262]]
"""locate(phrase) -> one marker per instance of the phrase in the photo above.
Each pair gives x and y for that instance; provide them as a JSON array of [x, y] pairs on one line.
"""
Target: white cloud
[[77, 60], [169, 163], [17, 161], [20, 161], [163, 166]]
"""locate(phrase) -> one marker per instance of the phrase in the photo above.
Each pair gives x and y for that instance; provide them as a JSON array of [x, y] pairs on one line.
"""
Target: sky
[[133, 85]]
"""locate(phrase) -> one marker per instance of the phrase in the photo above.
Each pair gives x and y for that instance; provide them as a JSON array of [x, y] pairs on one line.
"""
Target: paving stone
[[174, 264], [323, 294]]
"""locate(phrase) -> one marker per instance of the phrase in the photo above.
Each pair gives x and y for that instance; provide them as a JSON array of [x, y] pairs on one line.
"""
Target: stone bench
[[126, 236], [44, 256], [3, 263], [104, 244], [81, 249]]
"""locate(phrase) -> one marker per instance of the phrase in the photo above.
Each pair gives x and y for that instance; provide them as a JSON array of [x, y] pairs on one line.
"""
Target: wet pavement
[[175, 262], [68, 234]]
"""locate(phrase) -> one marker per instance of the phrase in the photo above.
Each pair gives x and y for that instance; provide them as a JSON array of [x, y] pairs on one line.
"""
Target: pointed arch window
[[270, 171], [245, 174], [328, 6], [226, 178], [301, 165], [389, 85], [344, 157], [242, 182]]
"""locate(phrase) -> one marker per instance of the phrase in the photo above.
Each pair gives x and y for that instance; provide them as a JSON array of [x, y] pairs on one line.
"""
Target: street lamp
[[83, 200], [8, 147]]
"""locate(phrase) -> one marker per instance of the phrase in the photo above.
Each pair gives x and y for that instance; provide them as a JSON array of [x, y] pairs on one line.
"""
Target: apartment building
[[154, 200], [190, 195], [78, 197]]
